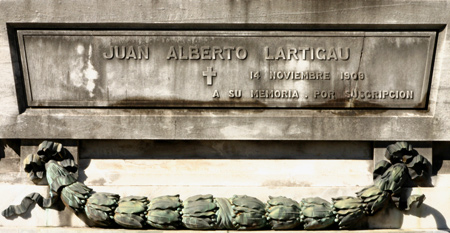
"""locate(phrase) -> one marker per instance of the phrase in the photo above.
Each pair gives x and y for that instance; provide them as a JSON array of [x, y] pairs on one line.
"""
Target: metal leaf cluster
[[131, 211], [100, 208], [374, 198], [282, 213], [393, 178], [249, 212], [316, 213], [76, 195], [199, 212], [349, 211], [164, 212], [58, 177]]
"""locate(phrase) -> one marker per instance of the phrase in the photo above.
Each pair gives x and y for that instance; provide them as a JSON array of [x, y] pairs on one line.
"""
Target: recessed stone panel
[[233, 69]]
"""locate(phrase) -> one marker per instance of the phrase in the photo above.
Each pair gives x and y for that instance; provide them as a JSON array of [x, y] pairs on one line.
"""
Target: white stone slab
[[207, 172]]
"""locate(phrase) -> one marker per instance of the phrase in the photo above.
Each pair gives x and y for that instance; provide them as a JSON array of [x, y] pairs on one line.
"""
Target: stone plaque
[[233, 69]]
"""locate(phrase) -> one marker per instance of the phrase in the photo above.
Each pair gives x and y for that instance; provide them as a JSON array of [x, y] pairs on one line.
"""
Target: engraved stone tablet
[[211, 69]]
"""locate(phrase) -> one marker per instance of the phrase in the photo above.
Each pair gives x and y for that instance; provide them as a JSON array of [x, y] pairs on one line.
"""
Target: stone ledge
[[100, 230]]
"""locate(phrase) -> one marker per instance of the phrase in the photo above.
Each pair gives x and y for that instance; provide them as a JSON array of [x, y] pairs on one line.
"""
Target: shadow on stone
[[12, 145], [425, 210], [2, 150], [387, 218], [83, 164]]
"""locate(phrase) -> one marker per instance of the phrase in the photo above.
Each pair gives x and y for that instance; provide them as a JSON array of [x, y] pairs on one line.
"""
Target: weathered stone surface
[[293, 125], [227, 69], [259, 15]]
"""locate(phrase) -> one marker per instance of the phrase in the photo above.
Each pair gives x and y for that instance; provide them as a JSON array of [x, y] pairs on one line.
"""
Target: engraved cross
[[209, 74]]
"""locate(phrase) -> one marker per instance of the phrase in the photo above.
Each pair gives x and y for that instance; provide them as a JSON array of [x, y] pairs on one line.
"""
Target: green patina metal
[[100, 208], [403, 167], [316, 213], [282, 213]]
